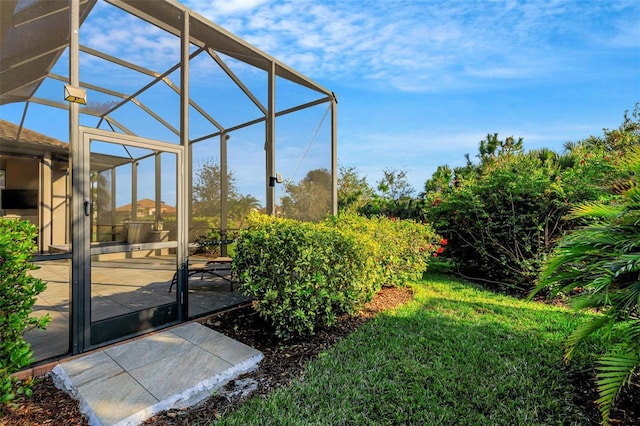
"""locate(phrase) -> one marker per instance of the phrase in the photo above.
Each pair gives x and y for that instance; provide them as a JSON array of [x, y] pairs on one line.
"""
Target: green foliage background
[[19, 291], [503, 215]]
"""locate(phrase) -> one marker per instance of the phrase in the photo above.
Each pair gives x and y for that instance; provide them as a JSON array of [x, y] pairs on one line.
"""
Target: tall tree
[[394, 197], [309, 199], [353, 190], [206, 188], [394, 185], [492, 148], [440, 180]]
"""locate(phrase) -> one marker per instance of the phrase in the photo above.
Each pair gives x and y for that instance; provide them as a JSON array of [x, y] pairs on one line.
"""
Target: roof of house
[[17, 140], [147, 204]]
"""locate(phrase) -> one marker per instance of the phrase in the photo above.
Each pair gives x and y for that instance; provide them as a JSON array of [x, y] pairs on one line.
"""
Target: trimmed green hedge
[[302, 275], [403, 247], [18, 292]]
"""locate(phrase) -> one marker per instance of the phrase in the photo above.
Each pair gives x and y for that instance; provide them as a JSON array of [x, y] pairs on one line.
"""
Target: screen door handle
[[87, 207]]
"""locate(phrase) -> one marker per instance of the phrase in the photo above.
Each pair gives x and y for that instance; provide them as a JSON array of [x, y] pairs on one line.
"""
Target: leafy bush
[[599, 266], [19, 291], [302, 276], [403, 247], [502, 217], [501, 222]]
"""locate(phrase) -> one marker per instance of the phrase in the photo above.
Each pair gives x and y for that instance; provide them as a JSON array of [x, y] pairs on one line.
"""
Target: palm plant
[[600, 265], [243, 205]]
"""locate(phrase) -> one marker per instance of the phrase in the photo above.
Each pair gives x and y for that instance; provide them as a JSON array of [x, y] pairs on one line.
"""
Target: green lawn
[[456, 355]]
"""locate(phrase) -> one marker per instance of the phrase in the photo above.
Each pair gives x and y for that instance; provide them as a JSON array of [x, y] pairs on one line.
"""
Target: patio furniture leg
[[214, 267], [174, 280]]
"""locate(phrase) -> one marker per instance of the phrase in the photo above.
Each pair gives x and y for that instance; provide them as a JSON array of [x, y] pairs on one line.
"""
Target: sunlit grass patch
[[455, 355]]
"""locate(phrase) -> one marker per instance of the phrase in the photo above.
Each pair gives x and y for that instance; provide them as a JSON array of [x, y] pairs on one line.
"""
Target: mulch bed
[[49, 406], [282, 363]]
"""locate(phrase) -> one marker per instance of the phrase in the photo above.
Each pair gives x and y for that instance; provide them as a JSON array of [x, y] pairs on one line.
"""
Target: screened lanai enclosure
[[131, 133]]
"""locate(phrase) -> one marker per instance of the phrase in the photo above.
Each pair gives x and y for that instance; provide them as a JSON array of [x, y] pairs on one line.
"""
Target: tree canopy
[[207, 191], [310, 198], [354, 192]]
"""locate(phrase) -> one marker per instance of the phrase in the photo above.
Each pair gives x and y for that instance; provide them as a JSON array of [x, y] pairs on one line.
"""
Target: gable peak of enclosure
[[135, 60], [146, 100]]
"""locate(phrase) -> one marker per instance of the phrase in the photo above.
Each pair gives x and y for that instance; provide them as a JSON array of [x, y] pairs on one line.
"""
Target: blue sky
[[420, 83]]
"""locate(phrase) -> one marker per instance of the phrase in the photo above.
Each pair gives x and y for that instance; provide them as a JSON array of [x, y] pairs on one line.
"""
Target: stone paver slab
[[128, 383], [92, 368], [155, 347], [172, 376], [216, 343], [119, 399]]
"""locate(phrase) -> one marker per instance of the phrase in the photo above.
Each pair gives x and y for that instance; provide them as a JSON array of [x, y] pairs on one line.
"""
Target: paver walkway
[[128, 383]]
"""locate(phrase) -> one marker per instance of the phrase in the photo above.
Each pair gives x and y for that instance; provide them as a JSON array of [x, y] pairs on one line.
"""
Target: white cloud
[[411, 46], [130, 39], [427, 46]]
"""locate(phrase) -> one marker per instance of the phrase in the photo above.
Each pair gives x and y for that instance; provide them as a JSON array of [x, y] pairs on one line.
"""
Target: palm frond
[[614, 372], [595, 209], [604, 260], [626, 300], [590, 300], [633, 193], [583, 331], [631, 160], [630, 262], [633, 334]]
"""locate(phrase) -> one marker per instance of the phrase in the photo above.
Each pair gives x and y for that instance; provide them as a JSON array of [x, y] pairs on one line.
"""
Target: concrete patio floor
[[119, 287], [128, 383]]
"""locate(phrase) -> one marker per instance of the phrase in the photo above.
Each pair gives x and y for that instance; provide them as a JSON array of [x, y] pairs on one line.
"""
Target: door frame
[[80, 297]]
